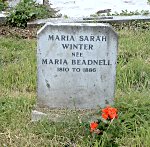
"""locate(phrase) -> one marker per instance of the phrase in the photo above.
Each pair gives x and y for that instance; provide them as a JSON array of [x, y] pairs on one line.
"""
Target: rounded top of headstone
[[101, 25]]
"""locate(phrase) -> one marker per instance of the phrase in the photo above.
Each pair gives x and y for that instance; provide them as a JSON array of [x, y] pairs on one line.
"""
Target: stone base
[[36, 115], [64, 115]]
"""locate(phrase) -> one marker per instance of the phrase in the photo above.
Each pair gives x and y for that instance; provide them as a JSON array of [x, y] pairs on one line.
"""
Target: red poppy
[[109, 113], [93, 126]]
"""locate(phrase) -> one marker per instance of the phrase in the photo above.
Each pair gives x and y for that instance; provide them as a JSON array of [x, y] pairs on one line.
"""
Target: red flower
[[109, 113], [93, 126], [104, 115]]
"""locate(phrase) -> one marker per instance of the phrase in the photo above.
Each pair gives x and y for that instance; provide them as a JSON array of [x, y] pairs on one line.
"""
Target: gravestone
[[76, 65]]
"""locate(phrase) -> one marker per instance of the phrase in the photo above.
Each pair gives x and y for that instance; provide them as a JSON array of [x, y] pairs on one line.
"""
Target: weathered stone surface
[[76, 65], [82, 8], [37, 115], [2, 18]]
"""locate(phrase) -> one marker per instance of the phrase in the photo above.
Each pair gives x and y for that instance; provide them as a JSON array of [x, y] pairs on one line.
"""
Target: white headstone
[[76, 65]]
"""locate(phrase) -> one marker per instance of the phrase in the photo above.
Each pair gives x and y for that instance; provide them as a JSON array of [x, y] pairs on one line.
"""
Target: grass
[[18, 94]]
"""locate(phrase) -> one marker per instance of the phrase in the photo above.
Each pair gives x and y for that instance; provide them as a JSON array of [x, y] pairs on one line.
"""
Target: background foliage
[[28, 10], [3, 5]]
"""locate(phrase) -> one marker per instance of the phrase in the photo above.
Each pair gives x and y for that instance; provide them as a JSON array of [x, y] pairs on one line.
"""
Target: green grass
[[18, 93]]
